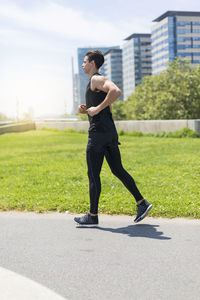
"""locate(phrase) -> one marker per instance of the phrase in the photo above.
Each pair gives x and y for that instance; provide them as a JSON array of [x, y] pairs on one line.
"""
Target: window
[[183, 31], [161, 28], [159, 36], [183, 23]]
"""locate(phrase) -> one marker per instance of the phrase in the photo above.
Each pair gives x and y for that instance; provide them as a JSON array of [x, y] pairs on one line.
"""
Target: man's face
[[86, 65]]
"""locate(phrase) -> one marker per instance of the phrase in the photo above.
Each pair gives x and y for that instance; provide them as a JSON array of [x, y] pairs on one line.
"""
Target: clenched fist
[[82, 109], [92, 111]]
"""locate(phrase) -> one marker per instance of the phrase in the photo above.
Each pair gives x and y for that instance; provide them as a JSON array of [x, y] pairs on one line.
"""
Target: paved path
[[155, 259]]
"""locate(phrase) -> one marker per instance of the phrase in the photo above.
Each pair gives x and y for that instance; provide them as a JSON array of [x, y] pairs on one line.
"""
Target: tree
[[118, 111], [173, 94]]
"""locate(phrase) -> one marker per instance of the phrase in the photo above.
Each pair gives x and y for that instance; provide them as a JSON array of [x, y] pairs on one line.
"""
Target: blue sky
[[38, 39]]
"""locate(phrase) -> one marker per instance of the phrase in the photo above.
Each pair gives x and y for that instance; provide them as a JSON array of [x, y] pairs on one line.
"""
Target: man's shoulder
[[97, 81], [97, 78]]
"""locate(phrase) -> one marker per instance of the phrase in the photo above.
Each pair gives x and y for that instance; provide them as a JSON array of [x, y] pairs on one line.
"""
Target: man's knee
[[93, 174]]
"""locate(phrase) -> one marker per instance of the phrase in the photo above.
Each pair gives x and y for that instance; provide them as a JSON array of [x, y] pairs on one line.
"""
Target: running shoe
[[87, 220], [142, 210]]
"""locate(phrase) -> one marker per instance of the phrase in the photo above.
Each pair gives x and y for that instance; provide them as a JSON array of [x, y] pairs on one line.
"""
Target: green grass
[[45, 170]]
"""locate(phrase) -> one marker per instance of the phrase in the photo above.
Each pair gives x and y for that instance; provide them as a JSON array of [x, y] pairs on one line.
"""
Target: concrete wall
[[61, 125], [150, 126], [17, 127]]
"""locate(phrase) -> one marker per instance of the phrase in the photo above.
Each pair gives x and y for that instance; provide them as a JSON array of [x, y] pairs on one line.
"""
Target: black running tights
[[97, 148]]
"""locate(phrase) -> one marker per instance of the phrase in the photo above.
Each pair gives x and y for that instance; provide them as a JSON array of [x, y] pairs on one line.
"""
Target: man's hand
[[92, 111], [82, 109]]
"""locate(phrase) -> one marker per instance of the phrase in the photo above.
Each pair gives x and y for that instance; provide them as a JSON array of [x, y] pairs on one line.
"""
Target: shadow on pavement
[[139, 230]]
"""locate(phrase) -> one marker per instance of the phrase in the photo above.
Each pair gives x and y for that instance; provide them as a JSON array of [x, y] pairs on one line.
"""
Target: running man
[[103, 139]]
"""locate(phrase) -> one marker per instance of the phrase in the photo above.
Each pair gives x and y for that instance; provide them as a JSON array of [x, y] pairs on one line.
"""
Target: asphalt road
[[154, 259]]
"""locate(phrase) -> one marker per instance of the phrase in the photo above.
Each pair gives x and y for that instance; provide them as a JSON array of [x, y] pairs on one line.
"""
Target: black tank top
[[103, 121]]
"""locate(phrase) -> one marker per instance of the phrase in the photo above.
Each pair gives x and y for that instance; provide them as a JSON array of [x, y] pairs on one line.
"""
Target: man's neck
[[92, 73]]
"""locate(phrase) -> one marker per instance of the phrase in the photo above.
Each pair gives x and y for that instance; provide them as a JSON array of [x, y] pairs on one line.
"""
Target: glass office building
[[76, 103], [113, 68], [175, 34], [83, 78], [136, 58]]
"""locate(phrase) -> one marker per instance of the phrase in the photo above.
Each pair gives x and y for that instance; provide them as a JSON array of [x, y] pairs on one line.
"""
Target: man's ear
[[93, 63]]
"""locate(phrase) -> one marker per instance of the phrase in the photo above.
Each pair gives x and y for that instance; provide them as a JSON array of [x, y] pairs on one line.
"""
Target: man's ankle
[[93, 215], [140, 201]]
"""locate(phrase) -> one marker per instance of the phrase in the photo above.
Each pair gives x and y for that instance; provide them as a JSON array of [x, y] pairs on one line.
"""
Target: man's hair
[[97, 56]]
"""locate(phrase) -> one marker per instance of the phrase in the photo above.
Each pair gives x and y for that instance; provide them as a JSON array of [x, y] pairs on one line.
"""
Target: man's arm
[[102, 84]]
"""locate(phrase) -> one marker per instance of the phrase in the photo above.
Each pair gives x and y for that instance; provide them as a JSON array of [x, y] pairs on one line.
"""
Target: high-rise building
[[75, 93], [83, 78], [113, 68], [175, 34], [75, 84], [136, 57]]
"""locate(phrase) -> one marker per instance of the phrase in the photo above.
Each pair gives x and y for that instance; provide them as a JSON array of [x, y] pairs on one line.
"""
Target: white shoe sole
[[86, 225], [144, 214]]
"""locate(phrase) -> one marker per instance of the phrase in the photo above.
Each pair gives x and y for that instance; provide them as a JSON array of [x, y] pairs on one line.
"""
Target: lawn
[[45, 170]]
